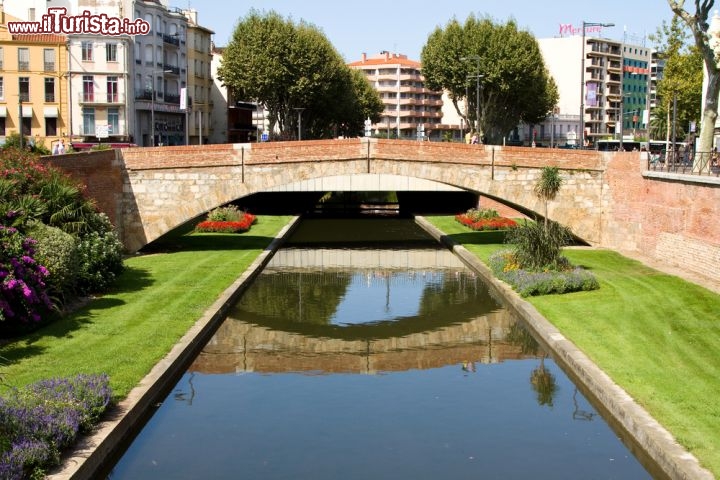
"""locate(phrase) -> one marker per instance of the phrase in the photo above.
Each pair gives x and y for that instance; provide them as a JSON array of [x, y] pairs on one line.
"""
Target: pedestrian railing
[[686, 162]]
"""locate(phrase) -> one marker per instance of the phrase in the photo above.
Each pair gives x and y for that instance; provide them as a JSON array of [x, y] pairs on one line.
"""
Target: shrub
[[229, 213], [538, 247], [58, 251], [23, 292], [41, 420], [100, 253]]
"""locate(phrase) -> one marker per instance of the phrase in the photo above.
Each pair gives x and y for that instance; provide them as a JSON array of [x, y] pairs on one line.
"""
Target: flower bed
[[529, 283], [497, 223], [40, 421], [227, 226]]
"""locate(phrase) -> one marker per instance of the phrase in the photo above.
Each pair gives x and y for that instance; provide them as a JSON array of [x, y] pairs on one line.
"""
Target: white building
[[603, 81]]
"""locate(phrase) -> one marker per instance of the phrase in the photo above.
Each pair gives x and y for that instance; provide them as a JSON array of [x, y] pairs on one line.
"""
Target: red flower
[[227, 227]]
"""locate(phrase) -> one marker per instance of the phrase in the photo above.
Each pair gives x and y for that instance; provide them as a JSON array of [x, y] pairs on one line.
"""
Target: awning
[[3, 111], [50, 112], [27, 111]]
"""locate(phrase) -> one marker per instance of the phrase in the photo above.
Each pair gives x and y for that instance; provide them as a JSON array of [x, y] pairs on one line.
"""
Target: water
[[370, 364]]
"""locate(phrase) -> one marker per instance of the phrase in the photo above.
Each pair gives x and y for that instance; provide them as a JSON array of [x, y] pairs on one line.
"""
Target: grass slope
[[127, 331]]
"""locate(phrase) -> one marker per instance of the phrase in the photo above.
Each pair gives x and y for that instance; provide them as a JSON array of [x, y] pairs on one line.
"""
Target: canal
[[364, 350]]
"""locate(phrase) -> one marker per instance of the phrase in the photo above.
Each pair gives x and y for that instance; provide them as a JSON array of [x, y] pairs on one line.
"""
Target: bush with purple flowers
[[23, 293], [38, 422]]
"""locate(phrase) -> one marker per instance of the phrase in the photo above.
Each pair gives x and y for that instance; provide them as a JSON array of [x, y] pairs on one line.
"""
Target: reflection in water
[[365, 320], [374, 364]]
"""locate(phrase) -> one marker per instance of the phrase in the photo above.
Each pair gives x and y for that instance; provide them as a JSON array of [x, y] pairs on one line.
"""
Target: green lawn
[[656, 335], [127, 331]]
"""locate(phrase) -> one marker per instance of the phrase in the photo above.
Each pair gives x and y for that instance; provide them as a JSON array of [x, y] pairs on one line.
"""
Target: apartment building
[[411, 109], [200, 79], [33, 85], [604, 88]]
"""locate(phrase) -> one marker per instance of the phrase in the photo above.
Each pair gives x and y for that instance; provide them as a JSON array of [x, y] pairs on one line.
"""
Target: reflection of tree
[[454, 292], [543, 382], [520, 336], [308, 297], [579, 414]]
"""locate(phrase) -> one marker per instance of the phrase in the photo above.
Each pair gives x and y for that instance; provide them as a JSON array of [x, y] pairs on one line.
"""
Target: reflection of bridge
[[329, 258], [239, 346]]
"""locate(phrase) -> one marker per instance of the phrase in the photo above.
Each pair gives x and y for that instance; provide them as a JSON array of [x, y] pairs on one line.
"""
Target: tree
[[548, 186], [681, 84], [699, 26], [286, 67], [515, 84]]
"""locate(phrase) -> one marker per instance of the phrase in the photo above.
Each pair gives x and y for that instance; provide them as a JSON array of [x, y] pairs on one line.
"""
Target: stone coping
[[652, 439], [93, 453]]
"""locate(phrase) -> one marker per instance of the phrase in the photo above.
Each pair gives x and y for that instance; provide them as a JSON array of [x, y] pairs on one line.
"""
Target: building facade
[[411, 110], [199, 80], [33, 86], [603, 88]]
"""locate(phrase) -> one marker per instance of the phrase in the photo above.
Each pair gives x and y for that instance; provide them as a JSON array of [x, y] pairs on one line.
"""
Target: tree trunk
[[707, 129]]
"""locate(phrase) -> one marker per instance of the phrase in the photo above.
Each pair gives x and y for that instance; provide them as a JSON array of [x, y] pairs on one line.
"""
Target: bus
[[614, 145]]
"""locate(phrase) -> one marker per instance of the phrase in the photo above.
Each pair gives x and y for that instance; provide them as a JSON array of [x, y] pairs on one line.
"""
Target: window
[[50, 126], [24, 86], [112, 89], [49, 59], [111, 52], [2, 58], [2, 88], [31, 14], [23, 59], [87, 51], [113, 121], [88, 88], [27, 126], [2, 126], [49, 90], [88, 115]]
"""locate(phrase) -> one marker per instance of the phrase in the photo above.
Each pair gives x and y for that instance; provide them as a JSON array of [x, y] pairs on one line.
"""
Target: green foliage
[[515, 85], [477, 214], [28, 144], [538, 247], [58, 252], [101, 260], [229, 213], [548, 186], [286, 66]]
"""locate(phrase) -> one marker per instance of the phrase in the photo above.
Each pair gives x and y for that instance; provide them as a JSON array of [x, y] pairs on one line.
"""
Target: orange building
[[33, 85], [411, 109]]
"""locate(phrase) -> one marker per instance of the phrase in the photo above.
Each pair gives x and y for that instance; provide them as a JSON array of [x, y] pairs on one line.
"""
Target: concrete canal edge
[[93, 453], [654, 441]]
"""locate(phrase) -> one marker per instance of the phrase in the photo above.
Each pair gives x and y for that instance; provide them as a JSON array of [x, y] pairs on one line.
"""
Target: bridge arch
[[167, 186]]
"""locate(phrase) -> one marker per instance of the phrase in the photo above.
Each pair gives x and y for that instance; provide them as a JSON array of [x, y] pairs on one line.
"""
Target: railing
[[171, 68], [49, 66], [143, 95], [169, 98], [686, 162], [24, 66], [49, 98], [100, 97], [171, 39]]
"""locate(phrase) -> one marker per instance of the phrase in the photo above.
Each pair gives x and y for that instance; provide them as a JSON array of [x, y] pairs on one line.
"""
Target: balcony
[[143, 95], [171, 69], [100, 98], [172, 98], [49, 98], [24, 66], [171, 39], [88, 130], [49, 66]]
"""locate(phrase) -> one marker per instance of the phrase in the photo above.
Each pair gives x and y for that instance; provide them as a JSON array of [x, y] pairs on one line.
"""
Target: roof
[[40, 38], [386, 58]]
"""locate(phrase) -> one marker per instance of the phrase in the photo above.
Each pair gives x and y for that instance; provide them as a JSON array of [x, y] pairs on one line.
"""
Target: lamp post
[[477, 77], [581, 132], [152, 105], [299, 112]]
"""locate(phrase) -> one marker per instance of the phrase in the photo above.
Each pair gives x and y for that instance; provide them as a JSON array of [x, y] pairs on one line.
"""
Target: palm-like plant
[[548, 186]]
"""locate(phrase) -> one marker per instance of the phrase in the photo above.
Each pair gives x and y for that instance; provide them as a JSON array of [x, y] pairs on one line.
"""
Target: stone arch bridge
[[609, 199]]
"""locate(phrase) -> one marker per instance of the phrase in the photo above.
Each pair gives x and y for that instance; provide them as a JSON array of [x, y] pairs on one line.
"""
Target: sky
[[403, 26]]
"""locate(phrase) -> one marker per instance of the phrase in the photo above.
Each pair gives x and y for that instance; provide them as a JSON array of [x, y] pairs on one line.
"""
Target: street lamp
[[299, 112], [585, 24], [152, 105], [477, 77]]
